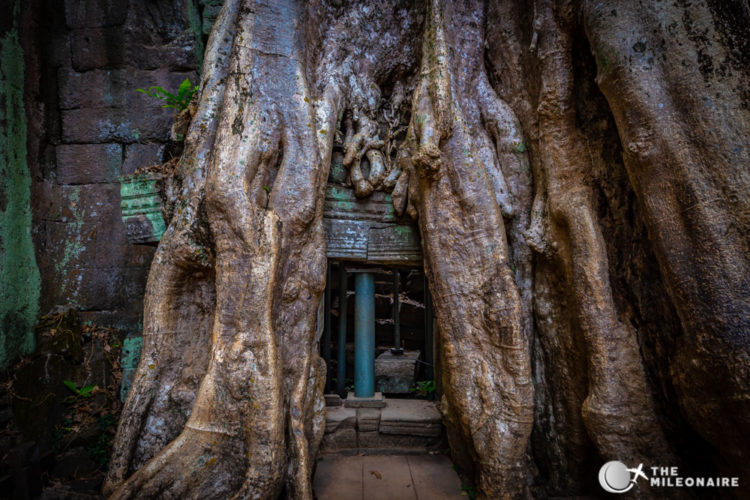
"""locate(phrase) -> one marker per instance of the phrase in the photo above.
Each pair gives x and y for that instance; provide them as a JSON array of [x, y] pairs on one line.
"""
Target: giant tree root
[[487, 383], [227, 400], [685, 127], [619, 412], [262, 203], [180, 294]]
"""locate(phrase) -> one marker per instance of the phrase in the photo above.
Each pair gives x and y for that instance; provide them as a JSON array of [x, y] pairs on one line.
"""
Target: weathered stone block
[[138, 256], [69, 244], [45, 202], [94, 13], [378, 440], [411, 410], [368, 419], [88, 262], [89, 89], [96, 48], [115, 249], [145, 49], [78, 203], [127, 320], [134, 284], [340, 417], [88, 163], [87, 240], [341, 432], [368, 230], [116, 88], [396, 374], [376, 401], [332, 400], [410, 429], [342, 439], [115, 125], [96, 288], [96, 202], [141, 155], [410, 417]]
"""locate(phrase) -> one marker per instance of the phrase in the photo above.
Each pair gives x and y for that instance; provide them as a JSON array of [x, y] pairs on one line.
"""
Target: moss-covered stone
[[19, 274]]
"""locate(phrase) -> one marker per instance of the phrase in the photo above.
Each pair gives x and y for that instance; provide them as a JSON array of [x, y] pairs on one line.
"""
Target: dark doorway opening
[[406, 323]]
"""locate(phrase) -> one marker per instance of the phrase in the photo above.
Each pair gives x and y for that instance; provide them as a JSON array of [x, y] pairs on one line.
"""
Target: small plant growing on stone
[[424, 387], [84, 392], [177, 101]]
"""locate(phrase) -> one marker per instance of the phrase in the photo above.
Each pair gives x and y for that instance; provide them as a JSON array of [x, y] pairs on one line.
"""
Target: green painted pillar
[[364, 336]]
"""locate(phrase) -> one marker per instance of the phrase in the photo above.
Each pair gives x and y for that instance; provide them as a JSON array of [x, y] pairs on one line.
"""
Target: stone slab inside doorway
[[402, 425]]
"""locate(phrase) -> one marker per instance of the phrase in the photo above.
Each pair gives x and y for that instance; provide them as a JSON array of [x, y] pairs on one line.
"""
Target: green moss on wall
[[196, 27], [19, 274]]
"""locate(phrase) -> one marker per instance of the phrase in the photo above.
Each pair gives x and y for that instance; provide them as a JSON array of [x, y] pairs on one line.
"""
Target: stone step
[[333, 400], [403, 424]]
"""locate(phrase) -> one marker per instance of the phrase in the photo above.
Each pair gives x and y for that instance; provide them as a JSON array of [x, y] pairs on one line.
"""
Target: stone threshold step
[[401, 424]]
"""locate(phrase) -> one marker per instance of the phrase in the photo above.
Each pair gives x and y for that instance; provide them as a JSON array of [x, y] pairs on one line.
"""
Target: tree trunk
[[542, 204]]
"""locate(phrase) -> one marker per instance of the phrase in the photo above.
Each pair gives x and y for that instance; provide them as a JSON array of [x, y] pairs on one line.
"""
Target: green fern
[[424, 387], [179, 101], [84, 392]]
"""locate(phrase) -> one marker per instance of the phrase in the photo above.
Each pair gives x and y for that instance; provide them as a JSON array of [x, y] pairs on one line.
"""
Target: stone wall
[[19, 274], [85, 126]]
